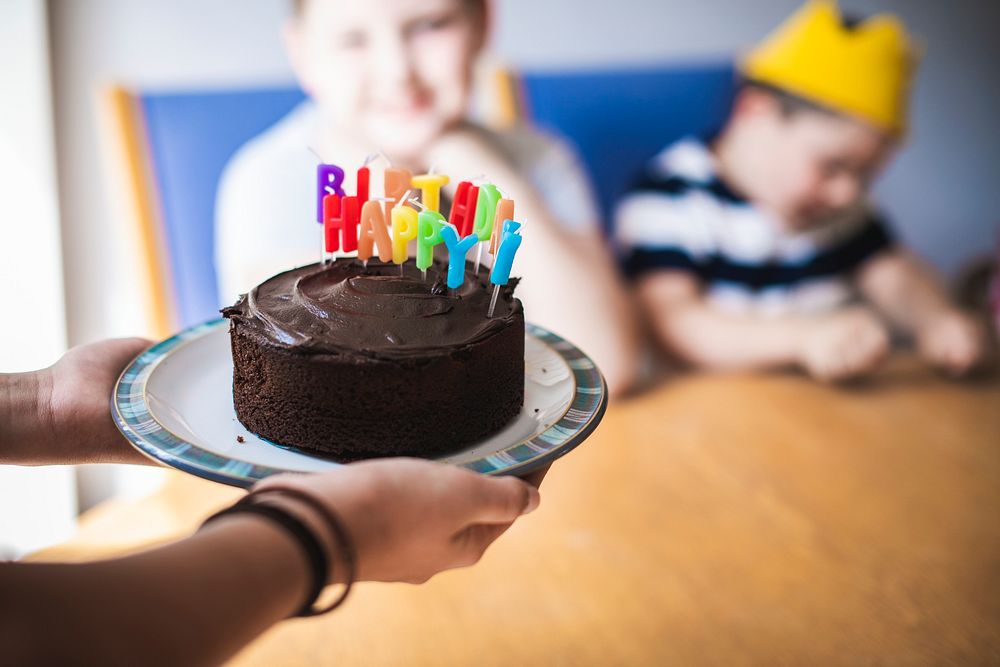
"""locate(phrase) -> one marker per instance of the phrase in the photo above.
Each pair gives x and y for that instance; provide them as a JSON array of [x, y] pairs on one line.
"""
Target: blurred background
[[68, 235]]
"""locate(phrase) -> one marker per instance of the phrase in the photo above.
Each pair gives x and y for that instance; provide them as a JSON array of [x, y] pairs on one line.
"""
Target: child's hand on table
[[844, 345], [952, 341]]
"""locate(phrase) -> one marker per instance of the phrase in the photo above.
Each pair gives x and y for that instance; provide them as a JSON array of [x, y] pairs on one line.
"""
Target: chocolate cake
[[350, 362]]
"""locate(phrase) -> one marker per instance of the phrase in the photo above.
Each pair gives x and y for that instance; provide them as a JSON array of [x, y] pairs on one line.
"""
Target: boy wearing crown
[[759, 249]]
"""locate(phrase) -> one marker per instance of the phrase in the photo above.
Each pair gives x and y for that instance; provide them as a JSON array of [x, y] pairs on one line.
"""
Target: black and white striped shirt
[[680, 216]]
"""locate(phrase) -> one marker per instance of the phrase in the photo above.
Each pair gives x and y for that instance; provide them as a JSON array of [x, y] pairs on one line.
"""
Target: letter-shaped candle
[[396, 183], [505, 253], [430, 189], [457, 250], [429, 225], [340, 223], [505, 211], [463, 208], [504, 260], [327, 176], [486, 205], [404, 229], [374, 231], [364, 175]]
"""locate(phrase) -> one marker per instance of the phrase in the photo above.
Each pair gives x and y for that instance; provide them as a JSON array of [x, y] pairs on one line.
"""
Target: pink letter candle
[[505, 211]]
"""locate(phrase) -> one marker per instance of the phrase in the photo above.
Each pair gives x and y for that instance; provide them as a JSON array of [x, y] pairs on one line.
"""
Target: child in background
[[747, 253], [395, 76]]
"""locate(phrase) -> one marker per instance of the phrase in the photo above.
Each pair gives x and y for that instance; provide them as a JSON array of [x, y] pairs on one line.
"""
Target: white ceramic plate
[[174, 402]]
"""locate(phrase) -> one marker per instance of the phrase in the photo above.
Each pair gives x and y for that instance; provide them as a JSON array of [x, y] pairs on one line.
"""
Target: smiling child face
[[396, 72]]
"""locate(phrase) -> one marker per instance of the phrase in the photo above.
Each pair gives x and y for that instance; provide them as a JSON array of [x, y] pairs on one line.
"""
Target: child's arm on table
[[907, 291], [833, 347], [570, 282]]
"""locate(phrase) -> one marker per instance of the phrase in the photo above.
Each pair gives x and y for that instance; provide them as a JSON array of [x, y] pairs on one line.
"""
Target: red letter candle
[[340, 223], [463, 208]]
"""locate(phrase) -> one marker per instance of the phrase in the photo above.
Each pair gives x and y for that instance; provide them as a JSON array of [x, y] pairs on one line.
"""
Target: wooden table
[[714, 520]]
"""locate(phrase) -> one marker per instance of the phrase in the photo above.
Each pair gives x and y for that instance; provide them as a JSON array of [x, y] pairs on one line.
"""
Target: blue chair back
[[191, 137], [616, 118]]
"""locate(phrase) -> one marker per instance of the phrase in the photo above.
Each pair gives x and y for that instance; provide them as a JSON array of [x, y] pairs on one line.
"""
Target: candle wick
[[417, 203], [403, 199], [316, 153], [384, 156], [370, 158]]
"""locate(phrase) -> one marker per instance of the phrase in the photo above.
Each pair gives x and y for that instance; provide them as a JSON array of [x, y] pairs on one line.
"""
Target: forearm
[[25, 418], [700, 335], [903, 289], [194, 602]]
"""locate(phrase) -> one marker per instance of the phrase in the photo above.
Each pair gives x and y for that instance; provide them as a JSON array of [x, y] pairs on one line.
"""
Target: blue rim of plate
[[131, 413]]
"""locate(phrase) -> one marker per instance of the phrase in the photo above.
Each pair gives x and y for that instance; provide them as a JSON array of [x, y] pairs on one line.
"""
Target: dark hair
[[790, 104]]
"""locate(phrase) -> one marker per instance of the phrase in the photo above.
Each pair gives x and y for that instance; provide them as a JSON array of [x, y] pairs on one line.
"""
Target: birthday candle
[[404, 229], [364, 174], [430, 189], [374, 231], [500, 274], [329, 180], [463, 208], [505, 211], [486, 205], [396, 183], [429, 225], [340, 223], [505, 253], [457, 250]]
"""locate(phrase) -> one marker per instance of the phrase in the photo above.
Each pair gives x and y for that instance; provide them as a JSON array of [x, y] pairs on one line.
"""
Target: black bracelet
[[303, 536], [340, 533]]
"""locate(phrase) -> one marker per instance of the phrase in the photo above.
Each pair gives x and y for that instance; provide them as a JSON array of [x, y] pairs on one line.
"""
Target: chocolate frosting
[[346, 308]]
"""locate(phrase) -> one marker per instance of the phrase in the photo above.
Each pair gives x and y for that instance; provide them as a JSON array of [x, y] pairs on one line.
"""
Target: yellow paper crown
[[862, 71]]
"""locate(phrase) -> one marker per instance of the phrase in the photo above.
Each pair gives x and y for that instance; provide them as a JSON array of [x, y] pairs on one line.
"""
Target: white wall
[[37, 506]]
